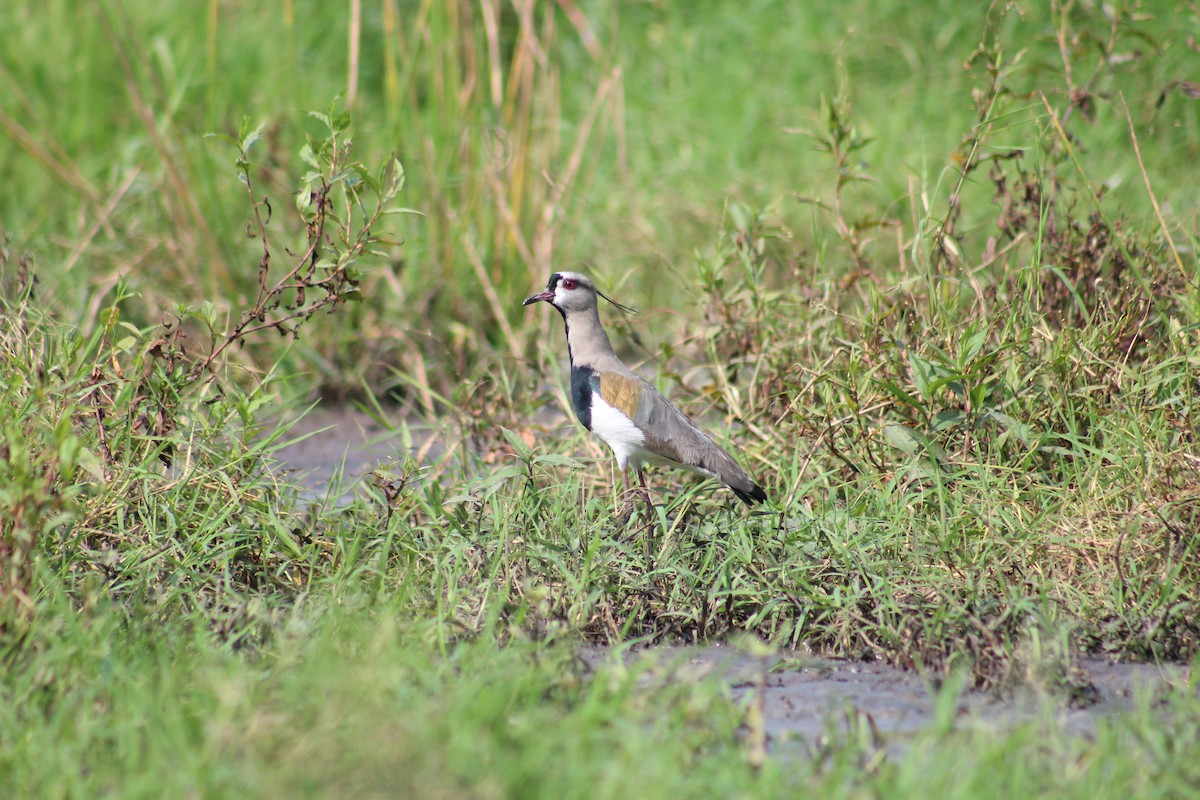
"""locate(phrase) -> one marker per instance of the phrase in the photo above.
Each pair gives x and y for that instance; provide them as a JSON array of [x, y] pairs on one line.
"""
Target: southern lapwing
[[618, 405]]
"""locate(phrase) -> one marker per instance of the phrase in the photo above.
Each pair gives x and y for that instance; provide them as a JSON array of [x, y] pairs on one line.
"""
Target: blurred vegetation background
[[621, 138]]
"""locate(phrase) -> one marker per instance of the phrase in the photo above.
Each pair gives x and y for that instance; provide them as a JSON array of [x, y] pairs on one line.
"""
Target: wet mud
[[327, 443], [804, 700]]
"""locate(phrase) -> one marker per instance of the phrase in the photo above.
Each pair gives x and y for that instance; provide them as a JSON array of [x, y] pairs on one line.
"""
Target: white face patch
[[561, 292], [617, 430]]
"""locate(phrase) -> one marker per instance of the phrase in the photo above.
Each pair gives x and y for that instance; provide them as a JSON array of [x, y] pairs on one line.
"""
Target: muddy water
[[326, 443], [807, 698], [802, 698]]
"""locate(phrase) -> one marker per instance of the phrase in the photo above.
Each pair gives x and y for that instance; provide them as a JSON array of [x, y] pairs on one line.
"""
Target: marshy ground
[[803, 694], [805, 699]]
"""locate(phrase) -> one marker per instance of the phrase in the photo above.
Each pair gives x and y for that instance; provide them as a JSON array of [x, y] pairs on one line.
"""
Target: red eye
[[568, 284]]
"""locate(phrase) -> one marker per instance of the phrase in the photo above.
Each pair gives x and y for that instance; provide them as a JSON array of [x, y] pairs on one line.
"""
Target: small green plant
[[341, 204], [840, 140]]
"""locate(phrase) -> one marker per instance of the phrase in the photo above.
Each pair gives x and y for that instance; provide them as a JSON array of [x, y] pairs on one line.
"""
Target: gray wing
[[671, 435]]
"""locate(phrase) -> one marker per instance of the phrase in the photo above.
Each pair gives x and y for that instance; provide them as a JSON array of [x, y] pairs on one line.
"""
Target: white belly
[[617, 431]]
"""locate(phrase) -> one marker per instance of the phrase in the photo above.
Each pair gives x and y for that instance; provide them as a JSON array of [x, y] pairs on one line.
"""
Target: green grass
[[915, 262], [360, 704]]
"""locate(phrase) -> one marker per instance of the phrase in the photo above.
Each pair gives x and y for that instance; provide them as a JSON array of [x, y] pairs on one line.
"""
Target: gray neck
[[587, 341]]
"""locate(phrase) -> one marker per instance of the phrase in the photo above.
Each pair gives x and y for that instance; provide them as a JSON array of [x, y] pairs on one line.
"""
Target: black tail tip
[[754, 494]]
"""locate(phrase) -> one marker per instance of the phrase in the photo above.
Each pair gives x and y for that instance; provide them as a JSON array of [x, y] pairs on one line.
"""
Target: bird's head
[[571, 292]]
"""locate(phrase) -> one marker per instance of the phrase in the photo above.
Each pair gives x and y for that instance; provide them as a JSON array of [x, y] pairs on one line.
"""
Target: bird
[[623, 409]]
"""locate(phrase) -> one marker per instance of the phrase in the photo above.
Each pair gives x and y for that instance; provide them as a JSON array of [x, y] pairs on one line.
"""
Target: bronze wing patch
[[621, 392]]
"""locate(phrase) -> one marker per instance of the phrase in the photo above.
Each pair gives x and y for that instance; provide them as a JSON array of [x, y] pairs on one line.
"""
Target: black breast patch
[[583, 381]]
